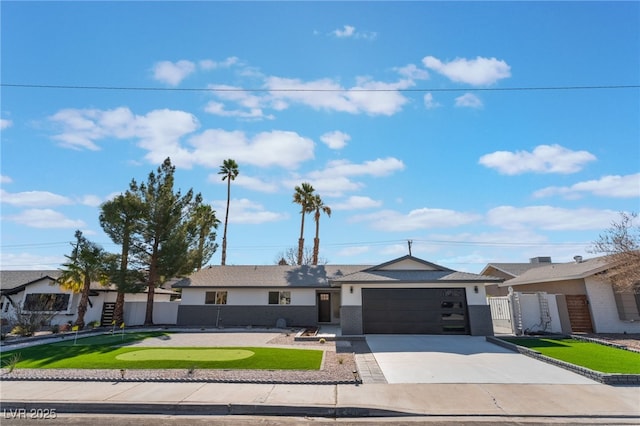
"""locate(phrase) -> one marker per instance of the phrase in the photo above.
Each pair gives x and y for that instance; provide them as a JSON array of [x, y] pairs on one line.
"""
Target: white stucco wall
[[250, 296], [604, 313]]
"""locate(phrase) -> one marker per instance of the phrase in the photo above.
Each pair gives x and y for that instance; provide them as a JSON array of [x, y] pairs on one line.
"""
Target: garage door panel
[[414, 311]]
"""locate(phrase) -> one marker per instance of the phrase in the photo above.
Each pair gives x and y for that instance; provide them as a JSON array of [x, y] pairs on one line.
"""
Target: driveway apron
[[460, 359]]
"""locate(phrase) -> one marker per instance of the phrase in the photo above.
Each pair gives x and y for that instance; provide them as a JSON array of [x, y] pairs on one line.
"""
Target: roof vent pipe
[[578, 259]]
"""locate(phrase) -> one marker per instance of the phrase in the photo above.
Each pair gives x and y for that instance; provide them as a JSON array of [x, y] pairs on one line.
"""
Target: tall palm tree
[[229, 171], [303, 195], [319, 207]]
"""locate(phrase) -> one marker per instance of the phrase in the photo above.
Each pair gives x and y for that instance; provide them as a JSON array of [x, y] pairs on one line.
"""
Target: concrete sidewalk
[[597, 402]]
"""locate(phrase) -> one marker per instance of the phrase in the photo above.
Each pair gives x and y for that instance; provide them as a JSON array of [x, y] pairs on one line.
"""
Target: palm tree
[[319, 207], [229, 171], [86, 264], [303, 195]]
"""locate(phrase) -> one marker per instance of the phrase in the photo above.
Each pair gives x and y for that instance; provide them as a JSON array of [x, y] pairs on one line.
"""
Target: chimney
[[540, 259], [578, 259]]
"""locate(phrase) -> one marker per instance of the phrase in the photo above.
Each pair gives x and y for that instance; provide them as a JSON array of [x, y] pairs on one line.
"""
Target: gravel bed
[[337, 368], [630, 341]]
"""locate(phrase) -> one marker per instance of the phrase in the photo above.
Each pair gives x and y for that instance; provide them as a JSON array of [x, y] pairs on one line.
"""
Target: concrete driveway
[[460, 359]]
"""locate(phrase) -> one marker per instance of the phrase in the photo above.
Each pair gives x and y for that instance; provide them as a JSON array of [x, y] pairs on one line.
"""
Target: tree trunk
[[226, 221], [301, 240], [316, 249], [118, 310], [84, 300], [153, 276]]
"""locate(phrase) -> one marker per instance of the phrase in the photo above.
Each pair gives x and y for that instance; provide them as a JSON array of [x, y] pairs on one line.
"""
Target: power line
[[257, 90]]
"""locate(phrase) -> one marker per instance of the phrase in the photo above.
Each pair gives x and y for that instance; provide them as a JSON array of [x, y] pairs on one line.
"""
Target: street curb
[[319, 411]]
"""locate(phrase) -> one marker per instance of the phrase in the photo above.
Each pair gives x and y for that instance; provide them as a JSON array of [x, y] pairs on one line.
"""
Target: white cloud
[[29, 261], [549, 218], [248, 182], [613, 186], [477, 72], [173, 73], [430, 102], [5, 179], [543, 159], [34, 199], [266, 149], [208, 64], [412, 72], [367, 96], [346, 31], [424, 218], [335, 179], [45, 219], [335, 139], [378, 167], [468, 100], [91, 200], [349, 31], [5, 123], [247, 212], [356, 202], [353, 251]]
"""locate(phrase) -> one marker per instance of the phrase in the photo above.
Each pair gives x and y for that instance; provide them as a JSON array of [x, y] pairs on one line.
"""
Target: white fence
[[522, 313], [165, 313]]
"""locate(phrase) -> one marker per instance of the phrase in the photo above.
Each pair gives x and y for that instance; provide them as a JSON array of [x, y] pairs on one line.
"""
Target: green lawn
[[594, 356], [107, 351]]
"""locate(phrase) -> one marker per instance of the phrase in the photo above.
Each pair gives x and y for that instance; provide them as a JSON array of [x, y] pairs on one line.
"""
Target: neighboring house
[[27, 289], [589, 299], [404, 296], [510, 270]]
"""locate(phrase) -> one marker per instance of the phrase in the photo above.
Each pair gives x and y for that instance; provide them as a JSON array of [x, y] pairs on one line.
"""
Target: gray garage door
[[414, 311]]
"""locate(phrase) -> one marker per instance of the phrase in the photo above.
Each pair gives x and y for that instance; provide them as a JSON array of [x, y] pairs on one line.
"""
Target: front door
[[324, 307], [579, 315]]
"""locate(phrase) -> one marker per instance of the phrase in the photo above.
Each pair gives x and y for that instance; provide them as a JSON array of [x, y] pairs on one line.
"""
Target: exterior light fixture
[[475, 289], [351, 289]]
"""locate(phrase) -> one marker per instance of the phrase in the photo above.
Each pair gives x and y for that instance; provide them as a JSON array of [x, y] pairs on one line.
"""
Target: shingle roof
[[12, 282], [267, 276], [513, 269], [559, 272], [414, 276]]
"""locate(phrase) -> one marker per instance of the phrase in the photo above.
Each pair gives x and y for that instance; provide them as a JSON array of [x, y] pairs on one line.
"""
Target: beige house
[[591, 302]]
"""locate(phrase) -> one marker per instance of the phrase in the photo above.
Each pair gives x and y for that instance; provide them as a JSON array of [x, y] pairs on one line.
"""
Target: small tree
[[621, 246], [26, 321], [290, 257], [87, 263]]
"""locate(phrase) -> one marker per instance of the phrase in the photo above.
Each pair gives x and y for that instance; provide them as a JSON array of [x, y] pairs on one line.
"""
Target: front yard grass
[[112, 352], [605, 359]]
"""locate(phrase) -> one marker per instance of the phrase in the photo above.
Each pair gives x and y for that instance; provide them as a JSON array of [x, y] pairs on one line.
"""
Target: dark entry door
[[324, 307], [107, 314]]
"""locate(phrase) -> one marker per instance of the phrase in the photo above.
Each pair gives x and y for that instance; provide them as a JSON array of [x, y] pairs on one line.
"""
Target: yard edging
[[605, 378]]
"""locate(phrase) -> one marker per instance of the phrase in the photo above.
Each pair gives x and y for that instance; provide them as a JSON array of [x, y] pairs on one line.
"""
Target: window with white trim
[[215, 298], [279, 297], [46, 302]]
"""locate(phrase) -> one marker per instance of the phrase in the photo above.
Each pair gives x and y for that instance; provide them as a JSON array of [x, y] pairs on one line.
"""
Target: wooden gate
[[579, 314]]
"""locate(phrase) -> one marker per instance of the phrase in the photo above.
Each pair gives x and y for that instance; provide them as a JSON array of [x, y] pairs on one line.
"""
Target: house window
[[279, 297], [52, 302], [215, 298]]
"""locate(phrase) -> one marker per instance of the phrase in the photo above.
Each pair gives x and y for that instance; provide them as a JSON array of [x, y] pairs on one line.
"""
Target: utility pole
[[409, 242]]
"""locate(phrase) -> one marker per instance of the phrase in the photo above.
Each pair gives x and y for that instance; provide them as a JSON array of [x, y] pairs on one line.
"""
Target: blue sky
[[395, 112]]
